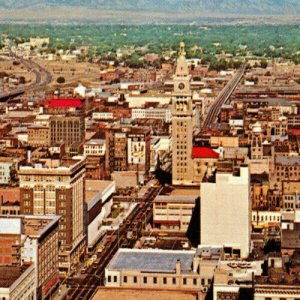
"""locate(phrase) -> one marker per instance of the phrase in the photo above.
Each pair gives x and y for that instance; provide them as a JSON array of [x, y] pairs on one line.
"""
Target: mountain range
[[232, 7]]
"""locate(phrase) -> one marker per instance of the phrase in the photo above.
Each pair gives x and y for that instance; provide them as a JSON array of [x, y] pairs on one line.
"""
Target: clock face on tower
[[181, 85]]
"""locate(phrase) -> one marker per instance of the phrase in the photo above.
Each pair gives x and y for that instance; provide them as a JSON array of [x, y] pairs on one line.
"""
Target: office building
[[32, 239], [56, 187], [225, 211]]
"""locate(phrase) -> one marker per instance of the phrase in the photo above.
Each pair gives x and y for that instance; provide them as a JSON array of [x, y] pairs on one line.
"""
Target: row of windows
[[155, 280], [267, 218]]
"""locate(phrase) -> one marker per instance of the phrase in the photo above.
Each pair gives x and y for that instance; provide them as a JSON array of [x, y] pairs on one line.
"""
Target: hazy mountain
[[245, 7]]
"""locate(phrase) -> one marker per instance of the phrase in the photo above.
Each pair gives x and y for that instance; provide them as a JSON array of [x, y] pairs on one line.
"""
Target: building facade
[[127, 149], [225, 211], [173, 212], [17, 283], [32, 239], [163, 269], [38, 136], [67, 129], [57, 188]]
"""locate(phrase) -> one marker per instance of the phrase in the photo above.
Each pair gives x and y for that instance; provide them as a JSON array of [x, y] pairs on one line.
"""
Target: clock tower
[[182, 123]]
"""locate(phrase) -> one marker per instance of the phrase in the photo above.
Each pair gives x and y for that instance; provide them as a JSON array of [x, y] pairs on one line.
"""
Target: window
[[165, 280], [202, 281], [174, 280], [184, 281], [134, 279], [154, 280], [115, 279], [125, 279], [195, 281], [109, 278], [145, 280]]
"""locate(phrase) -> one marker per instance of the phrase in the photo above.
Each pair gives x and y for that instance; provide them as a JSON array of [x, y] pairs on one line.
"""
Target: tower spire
[[182, 49]]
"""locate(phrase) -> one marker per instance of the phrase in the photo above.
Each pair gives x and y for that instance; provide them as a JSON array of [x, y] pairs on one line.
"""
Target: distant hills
[[235, 7]]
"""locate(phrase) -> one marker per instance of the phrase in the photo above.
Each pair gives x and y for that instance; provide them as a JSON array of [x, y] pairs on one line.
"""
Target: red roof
[[204, 152], [65, 102]]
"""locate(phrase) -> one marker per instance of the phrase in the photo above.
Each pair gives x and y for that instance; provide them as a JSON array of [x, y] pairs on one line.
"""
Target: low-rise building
[[7, 166], [235, 279], [17, 283], [38, 136], [173, 212], [98, 198], [163, 113], [94, 147], [152, 269]]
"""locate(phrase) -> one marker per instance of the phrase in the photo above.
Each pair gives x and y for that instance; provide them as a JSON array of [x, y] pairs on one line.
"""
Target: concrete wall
[[225, 211]]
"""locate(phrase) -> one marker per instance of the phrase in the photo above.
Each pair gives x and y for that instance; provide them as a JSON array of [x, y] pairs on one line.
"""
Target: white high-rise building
[[225, 212]]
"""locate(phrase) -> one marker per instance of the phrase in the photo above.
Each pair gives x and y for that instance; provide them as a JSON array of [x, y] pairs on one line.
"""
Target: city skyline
[[158, 161]]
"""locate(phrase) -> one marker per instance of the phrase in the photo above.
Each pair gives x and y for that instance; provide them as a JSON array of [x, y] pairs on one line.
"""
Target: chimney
[[28, 155], [178, 266], [195, 264]]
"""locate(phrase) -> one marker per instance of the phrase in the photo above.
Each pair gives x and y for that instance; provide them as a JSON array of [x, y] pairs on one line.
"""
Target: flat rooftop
[[35, 226], [94, 187], [49, 166], [287, 160], [145, 294], [151, 260], [29, 225], [8, 275], [176, 199], [186, 192]]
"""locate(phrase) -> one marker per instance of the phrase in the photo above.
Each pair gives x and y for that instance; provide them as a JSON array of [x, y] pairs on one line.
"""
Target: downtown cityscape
[[156, 160]]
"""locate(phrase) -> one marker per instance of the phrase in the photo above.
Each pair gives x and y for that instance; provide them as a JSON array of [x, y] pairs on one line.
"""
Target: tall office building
[[68, 129], [182, 123], [225, 211], [55, 187], [127, 148]]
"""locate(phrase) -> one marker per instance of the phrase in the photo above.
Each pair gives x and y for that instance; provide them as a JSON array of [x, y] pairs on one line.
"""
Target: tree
[[61, 80], [264, 64], [268, 73]]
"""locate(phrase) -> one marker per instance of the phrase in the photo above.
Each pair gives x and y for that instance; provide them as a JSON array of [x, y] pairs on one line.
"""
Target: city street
[[83, 287]]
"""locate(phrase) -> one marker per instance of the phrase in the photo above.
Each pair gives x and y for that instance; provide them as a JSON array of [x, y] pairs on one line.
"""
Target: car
[[109, 238], [83, 270], [96, 263], [100, 249], [162, 234]]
